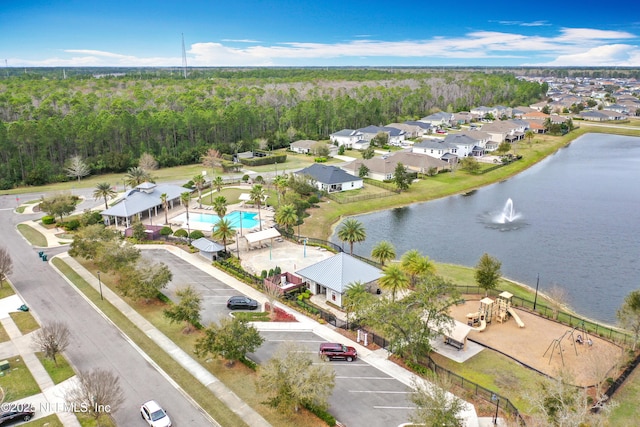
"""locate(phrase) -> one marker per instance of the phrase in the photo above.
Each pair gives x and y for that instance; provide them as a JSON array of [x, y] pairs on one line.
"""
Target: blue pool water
[[236, 218]]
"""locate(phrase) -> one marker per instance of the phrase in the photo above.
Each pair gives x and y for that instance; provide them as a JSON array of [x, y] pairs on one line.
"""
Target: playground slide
[[513, 313], [482, 327]]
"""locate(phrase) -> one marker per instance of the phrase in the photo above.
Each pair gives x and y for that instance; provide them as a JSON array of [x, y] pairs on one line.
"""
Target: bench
[[454, 343]]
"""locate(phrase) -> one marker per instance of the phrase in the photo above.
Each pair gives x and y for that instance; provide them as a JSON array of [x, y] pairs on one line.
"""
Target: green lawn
[[627, 398], [17, 381], [58, 373], [24, 321], [48, 421], [33, 236], [6, 290]]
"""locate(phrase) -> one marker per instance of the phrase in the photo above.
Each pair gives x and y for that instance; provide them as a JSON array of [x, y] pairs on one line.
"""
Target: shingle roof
[[327, 174], [339, 271]]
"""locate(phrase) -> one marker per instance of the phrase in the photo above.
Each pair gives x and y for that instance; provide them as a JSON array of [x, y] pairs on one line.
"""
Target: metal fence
[[560, 316]]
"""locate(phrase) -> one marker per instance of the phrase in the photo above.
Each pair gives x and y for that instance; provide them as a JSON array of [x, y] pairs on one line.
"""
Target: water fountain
[[508, 214], [506, 219]]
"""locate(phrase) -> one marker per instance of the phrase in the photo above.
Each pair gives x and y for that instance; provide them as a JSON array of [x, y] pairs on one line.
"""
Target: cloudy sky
[[318, 33]]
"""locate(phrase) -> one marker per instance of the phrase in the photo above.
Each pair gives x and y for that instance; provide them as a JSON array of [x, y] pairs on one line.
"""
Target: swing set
[[580, 339]]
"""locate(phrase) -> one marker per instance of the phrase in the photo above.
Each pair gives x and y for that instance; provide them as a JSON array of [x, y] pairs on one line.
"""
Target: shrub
[[166, 231], [196, 234], [277, 270], [263, 274], [279, 315], [321, 413], [72, 225], [313, 199], [259, 179], [180, 233], [320, 159], [245, 178], [48, 220]]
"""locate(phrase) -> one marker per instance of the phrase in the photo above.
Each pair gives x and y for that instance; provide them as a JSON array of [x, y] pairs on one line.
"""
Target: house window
[[333, 296]]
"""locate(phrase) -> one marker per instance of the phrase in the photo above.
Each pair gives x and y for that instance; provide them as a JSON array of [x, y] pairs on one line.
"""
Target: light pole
[[497, 399], [100, 284], [535, 300]]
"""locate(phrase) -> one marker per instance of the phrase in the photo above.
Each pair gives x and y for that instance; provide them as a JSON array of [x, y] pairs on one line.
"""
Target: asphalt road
[[96, 343]]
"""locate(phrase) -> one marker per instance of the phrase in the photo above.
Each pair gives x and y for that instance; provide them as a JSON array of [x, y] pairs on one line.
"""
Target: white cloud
[[622, 55], [571, 46]]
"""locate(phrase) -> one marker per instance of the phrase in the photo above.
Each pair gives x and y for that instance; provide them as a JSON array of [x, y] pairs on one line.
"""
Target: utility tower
[[184, 59]]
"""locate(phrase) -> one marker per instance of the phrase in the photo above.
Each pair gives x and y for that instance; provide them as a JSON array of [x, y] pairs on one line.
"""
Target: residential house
[[505, 130], [307, 146], [346, 137], [396, 136], [333, 276], [435, 147], [602, 116], [440, 119], [331, 178], [411, 129], [383, 168]]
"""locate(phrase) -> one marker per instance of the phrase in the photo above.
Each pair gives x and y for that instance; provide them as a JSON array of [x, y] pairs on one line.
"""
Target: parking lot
[[364, 394]]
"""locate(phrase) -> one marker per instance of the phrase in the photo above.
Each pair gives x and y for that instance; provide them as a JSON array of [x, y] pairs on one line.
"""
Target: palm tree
[[198, 182], [165, 206], [136, 176], [383, 252], [393, 279], [416, 265], [280, 182], [529, 135], [257, 196], [222, 230], [356, 299], [185, 198], [352, 231], [220, 206], [104, 191], [287, 216], [218, 182]]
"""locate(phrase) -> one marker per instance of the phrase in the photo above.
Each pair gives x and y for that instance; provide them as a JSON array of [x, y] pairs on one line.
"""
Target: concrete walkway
[[51, 399]]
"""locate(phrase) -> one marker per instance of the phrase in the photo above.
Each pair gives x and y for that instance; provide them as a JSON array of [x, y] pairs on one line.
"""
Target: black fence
[[311, 241], [477, 390], [557, 314]]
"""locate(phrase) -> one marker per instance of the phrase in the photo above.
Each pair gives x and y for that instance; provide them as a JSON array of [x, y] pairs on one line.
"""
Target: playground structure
[[479, 320], [580, 339], [501, 309], [505, 310]]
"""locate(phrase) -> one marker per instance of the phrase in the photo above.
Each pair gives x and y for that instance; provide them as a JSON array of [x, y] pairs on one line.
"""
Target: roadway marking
[[404, 408], [366, 378]]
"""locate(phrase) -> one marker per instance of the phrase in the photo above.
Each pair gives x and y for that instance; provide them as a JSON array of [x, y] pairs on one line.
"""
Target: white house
[[346, 137]]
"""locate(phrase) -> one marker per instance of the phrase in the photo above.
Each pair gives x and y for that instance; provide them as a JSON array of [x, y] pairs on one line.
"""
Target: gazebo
[[208, 249]]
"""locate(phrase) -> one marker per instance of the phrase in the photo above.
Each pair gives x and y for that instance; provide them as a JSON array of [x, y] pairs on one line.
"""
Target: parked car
[[242, 302], [337, 351], [16, 412], [441, 131], [154, 415]]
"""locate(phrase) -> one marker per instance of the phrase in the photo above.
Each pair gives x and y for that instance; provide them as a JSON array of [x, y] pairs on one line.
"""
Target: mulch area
[[587, 365]]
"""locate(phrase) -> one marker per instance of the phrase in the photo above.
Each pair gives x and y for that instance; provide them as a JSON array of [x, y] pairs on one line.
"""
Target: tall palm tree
[[257, 196], [223, 230], [136, 176], [185, 198], [104, 191], [416, 265], [383, 252], [529, 135], [220, 206], [218, 182], [165, 206], [198, 182], [352, 231], [280, 182], [287, 216], [393, 279]]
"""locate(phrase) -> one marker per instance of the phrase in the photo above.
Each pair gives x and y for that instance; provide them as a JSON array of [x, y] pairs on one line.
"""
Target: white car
[[154, 415]]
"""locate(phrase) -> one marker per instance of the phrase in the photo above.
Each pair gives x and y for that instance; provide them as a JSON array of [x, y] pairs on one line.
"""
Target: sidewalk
[[222, 392], [52, 395]]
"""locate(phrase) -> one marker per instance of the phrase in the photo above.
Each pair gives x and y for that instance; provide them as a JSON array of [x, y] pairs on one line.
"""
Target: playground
[[537, 342]]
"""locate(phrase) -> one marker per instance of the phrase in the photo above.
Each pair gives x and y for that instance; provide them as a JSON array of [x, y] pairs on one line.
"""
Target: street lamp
[[497, 399], [535, 300], [100, 284]]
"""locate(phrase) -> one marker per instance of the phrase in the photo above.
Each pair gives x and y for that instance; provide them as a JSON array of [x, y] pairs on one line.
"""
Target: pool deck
[[266, 215]]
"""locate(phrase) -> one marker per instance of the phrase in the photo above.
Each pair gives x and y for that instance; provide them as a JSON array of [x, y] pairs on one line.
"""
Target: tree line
[[112, 121]]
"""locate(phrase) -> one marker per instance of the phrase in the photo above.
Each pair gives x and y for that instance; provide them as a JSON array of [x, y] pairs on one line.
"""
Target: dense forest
[[110, 117]]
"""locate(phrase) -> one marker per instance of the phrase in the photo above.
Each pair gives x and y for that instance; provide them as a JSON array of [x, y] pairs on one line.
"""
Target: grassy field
[[48, 421], [6, 290], [58, 373], [17, 381], [24, 321], [33, 236]]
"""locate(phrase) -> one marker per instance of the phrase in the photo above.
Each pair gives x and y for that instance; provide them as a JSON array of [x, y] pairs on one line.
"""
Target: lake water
[[579, 225]]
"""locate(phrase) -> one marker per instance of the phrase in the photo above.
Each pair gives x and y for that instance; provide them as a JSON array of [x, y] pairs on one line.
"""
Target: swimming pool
[[206, 221]]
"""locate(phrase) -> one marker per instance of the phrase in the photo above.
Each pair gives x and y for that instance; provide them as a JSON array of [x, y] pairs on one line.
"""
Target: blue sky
[[321, 33]]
